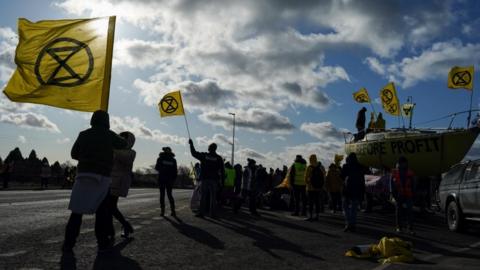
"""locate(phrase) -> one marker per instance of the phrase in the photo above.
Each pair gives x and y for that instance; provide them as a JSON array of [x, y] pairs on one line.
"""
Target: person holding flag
[[213, 173]]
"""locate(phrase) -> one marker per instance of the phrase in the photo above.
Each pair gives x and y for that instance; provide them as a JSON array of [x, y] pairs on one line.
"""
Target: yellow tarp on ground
[[388, 250]]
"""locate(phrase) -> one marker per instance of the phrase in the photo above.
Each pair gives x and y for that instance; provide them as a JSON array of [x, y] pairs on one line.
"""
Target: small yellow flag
[[461, 77], [361, 96], [407, 109], [171, 104], [390, 100], [63, 63]]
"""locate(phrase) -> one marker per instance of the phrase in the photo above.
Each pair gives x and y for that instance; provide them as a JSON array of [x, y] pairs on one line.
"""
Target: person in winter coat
[[122, 179], [333, 185], [314, 180], [249, 186], [360, 123], [403, 192], [353, 175], [297, 181], [94, 151], [213, 173], [45, 173], [167, 174]]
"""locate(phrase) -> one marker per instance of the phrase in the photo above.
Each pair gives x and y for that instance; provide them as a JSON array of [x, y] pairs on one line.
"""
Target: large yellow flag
[[64, 63], [171, 104], [461, 77], [361, 96], [389, 98]]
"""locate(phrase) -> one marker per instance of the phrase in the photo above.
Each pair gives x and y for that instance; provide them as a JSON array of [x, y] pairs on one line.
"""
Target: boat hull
[[428, 154]]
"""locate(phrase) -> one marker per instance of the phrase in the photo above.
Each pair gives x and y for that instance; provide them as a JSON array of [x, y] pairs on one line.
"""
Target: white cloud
[[140, 53], [433, 63], [29, 120], [8, 42], [63, 141], [375, 65], [140, 130], [256, 120], [280, 138], [218, 138], [21, 139], [323, 131]]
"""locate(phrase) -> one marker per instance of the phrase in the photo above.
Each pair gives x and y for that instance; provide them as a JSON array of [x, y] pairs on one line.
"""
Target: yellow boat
[[429, 152]]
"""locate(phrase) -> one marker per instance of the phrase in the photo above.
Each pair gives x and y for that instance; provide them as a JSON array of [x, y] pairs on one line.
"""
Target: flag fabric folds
[[171, 104], [64, 63], [390, 102], [361, 96], [461, 77]]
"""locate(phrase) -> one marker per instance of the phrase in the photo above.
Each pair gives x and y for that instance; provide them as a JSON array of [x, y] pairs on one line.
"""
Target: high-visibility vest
[[404, 190], [299, 178], [230, 177]]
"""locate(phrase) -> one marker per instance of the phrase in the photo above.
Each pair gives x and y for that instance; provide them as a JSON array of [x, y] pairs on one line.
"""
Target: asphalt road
[[32, 225]]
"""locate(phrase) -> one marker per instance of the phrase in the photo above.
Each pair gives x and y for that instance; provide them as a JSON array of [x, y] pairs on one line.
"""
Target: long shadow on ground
[[196, 234]]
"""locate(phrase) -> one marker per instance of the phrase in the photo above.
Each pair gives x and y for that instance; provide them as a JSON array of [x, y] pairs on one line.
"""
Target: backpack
[[317, 178]]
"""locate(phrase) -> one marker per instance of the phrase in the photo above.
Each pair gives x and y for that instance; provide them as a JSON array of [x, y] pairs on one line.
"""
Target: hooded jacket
[[166, 167], [308, 173], [353, 175], [94, 147], [122, 168]]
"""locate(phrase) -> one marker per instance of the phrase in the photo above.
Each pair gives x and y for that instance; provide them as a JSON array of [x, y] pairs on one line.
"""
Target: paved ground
[[32, 226]]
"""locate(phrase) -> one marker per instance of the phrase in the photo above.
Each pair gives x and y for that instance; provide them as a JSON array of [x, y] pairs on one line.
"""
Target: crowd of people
[[104, 173]]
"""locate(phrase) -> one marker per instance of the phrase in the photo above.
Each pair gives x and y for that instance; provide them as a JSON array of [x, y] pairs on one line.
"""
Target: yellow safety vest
[[230, 180], [299, 173]]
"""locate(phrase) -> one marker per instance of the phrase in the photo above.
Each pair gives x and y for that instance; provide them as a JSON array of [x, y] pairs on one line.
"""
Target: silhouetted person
[[403, 192], [122, 179], [167, 174], [353, 175], [94, 151], [211, 176], [360, 123], [334, 186], [314, 179], [249, 187], [297, 181], [380, 123], [45, 173]]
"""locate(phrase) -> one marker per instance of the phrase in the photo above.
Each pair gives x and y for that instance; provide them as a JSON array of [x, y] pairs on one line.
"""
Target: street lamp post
[[233, 140]]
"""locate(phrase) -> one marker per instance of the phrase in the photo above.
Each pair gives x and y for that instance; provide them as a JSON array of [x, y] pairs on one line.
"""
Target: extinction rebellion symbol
[[461, 78], [59, 72], [169, 104]]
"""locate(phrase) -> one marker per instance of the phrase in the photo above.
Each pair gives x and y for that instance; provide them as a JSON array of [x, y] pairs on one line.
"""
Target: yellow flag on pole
[[361, 96], [389, 98], [461, 77], [171, 104], [64, 63], [407, 109]]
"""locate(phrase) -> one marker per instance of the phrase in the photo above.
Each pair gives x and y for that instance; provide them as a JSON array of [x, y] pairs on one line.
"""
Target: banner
[[64, 63], [171, 104], [461, 77], [389, 99], [361, 96]]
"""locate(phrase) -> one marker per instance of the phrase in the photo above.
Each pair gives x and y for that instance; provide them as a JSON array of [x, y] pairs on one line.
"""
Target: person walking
[[333, 185], [167, 174], [45, 173], [353, 175], [314, 180], [94, 151], [297, 181], [403, 193], [121, 180], [212, 174]]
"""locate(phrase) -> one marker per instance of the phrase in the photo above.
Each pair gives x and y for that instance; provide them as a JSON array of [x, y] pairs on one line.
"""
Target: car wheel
[[454, 217]]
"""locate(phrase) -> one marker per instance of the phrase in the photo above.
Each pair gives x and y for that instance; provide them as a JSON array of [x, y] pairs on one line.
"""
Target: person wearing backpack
[[314, 179]]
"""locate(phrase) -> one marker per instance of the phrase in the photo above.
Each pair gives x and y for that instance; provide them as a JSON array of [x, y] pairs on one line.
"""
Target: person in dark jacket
[[353, 175], [213, 173], [167, 173], [403, 191], [94, 151], [360, 123]]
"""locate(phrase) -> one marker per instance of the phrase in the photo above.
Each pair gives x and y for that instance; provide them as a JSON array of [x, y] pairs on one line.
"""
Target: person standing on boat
[[360, 123], [403, 193], [380, 124], [353, 175], [371, 123]]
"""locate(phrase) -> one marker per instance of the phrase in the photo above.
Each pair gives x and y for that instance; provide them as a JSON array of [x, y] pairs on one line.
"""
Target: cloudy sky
[[287, 69]]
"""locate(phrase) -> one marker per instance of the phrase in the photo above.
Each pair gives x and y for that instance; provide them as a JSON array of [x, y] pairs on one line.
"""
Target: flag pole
[[470, 110], [185, 116]]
